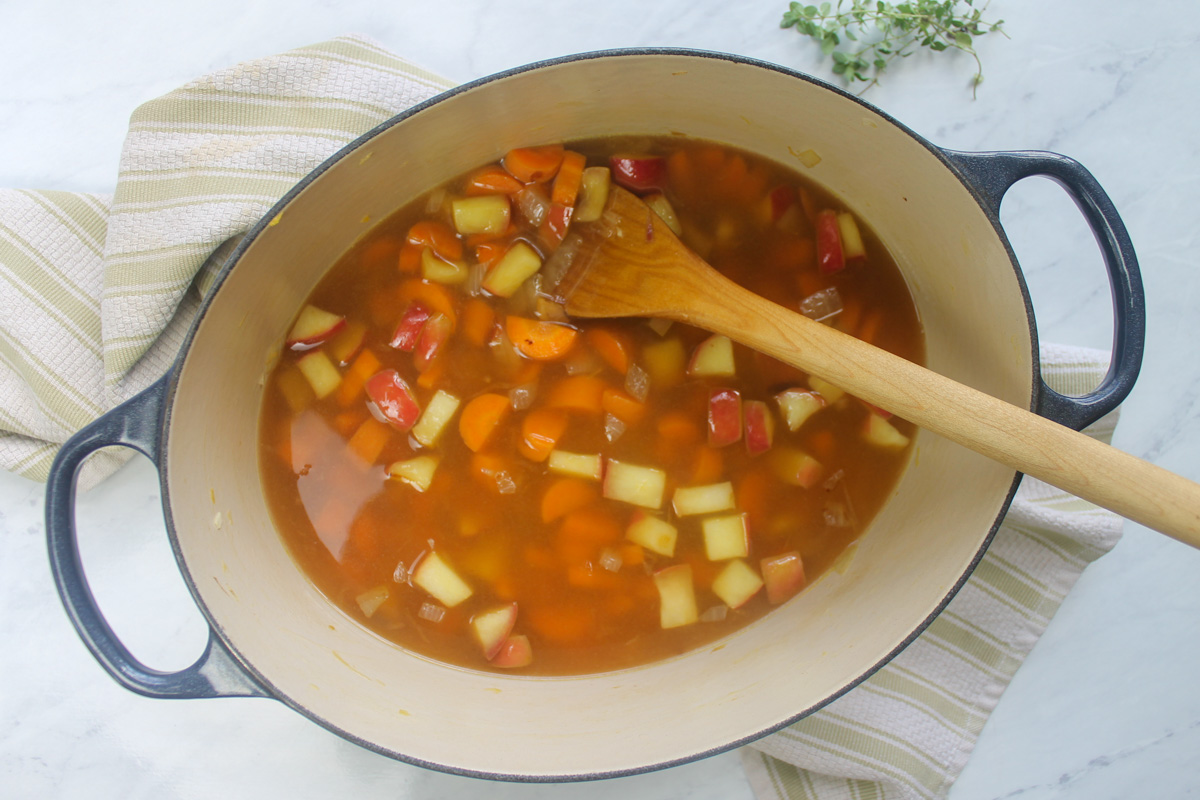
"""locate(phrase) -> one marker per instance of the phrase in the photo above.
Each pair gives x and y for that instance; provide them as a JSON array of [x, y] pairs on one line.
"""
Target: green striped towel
[[96, 293], [907, 731]]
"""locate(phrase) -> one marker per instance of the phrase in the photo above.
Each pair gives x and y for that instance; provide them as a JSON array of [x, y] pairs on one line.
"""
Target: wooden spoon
[[629, 263]]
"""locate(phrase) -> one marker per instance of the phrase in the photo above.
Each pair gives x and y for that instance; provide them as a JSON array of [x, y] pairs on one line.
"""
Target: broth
[[482, 481]]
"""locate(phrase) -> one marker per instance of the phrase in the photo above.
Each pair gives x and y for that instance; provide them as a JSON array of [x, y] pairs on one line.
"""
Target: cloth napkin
[[97, 292]]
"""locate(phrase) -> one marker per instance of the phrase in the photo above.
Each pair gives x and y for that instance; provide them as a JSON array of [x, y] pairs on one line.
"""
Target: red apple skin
[[759, 427], [783, 576], [394, 399], [491, 649], [434, 334], [724, 417], [830, 256], [302, 340], [408, 330], [639, 174], [782, 198], [515, 652]]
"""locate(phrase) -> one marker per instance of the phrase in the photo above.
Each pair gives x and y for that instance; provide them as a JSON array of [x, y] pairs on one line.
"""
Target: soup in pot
[[484, 481]]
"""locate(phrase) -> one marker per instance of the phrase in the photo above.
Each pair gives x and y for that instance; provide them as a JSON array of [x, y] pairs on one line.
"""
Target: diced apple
[[346, 343], [676, 596], [320, 372], [492, 628], [759, 425], [517, 265], [393, 399], [881, 433], [852, 243], [826, 389], [659, 325], [434, 335], [437, 578], [665, 361], [439, 270], [724, 417], [489, 213], [313, 326], [779, 200], [797, 405], [659, 203], [629, 483], [593, 194], [796, 467], [713, 358], [707, 499], [408, 330], [435, 418], [653, 533], [737, 583], [639, 173], [831, 257], [515, 652], [416, 472], [783, 575], [295, 388], [370, 600], [589, 466], [725, 537]]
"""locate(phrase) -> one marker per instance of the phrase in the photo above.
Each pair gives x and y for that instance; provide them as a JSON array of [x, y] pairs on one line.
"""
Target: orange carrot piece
[[622, 406], [869, 330], [534, 164], [487, 467], [561, 623], [678, 428], [491, 180], [540, 431], [632, 555], [539, 339], [438, 235], [583, 393], [380, 253], [355, 377], [433, 295], [569, 177], [480, 417], [595, 525], [478, 321], [590, 576], [752, 494], [345, 422], [565, 496], [368, 441], [708, 466], [822, 443], [611, 345], [409, 259], [433, 374], [538, 557]]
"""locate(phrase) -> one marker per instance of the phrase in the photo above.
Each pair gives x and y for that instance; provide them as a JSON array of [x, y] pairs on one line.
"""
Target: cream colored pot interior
[[318, 660]]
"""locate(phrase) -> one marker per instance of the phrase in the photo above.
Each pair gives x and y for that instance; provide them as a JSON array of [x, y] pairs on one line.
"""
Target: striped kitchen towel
[[97, 291], [906, 732]]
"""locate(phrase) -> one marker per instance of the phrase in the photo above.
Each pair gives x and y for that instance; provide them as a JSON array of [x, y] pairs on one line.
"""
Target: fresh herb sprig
[[880, 32]]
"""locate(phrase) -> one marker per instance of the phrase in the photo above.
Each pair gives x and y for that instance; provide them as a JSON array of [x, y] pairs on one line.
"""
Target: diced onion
[[532, 206], [822, 305], [437, 198], [637, 383], [521, 397], [402, 573], [836, 515], [474, 282], [611, 560], [505, 484], [431, 612], [582, 361], [613, 427], [715, 614], [833, 480]]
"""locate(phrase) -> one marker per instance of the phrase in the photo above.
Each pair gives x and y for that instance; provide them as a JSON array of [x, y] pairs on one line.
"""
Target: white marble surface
[[1107, 706]]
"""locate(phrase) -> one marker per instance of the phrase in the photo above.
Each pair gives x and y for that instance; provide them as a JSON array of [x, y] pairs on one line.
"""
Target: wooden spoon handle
[[1135, 489]]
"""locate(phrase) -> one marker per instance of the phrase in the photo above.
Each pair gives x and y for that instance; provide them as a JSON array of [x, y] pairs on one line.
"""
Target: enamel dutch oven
[[274, 635]]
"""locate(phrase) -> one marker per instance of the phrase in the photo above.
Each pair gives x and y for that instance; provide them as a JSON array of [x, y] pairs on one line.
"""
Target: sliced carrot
[[568, 179], [677, 427], [433, 374], [752, 494], [822, 443], [540, 340], [583, 393], [869, 330], [355, 377], [490, 467], [345, 422], [488, 253], [562, 623], [590, 576], [708, 465], [622, 406], [538, 557], [680, 171], [433, 295], [632, 555], [540, 431], [596, 525], [478, 321], [534, 164], [567, 495], [409, 259], [438, 235], [491, 180], [614, 346], [480, 417], [380, 253], [368, 441]]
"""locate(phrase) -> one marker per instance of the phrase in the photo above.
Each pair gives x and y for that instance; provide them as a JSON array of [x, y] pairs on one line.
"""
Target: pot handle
[[134, 424], [991, 175]]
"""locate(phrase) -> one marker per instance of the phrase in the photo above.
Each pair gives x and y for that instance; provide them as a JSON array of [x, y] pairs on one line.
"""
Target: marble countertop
[[1107, 705]]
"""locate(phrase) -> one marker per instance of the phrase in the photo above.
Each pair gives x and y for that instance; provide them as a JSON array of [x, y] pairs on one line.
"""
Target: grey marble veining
[[1107, 706]]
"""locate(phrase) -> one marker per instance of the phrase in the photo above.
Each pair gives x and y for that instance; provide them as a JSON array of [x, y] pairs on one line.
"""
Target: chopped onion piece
[[611, 560], [715, 614], [473, 285], [613, 427], [833, 480], [437, 199], [431, 612], [836, 515], [505, 484], [637, 383], [402, 574], [533, 206], [521, 397], [582, 361], [822, 305], [370, 600]]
